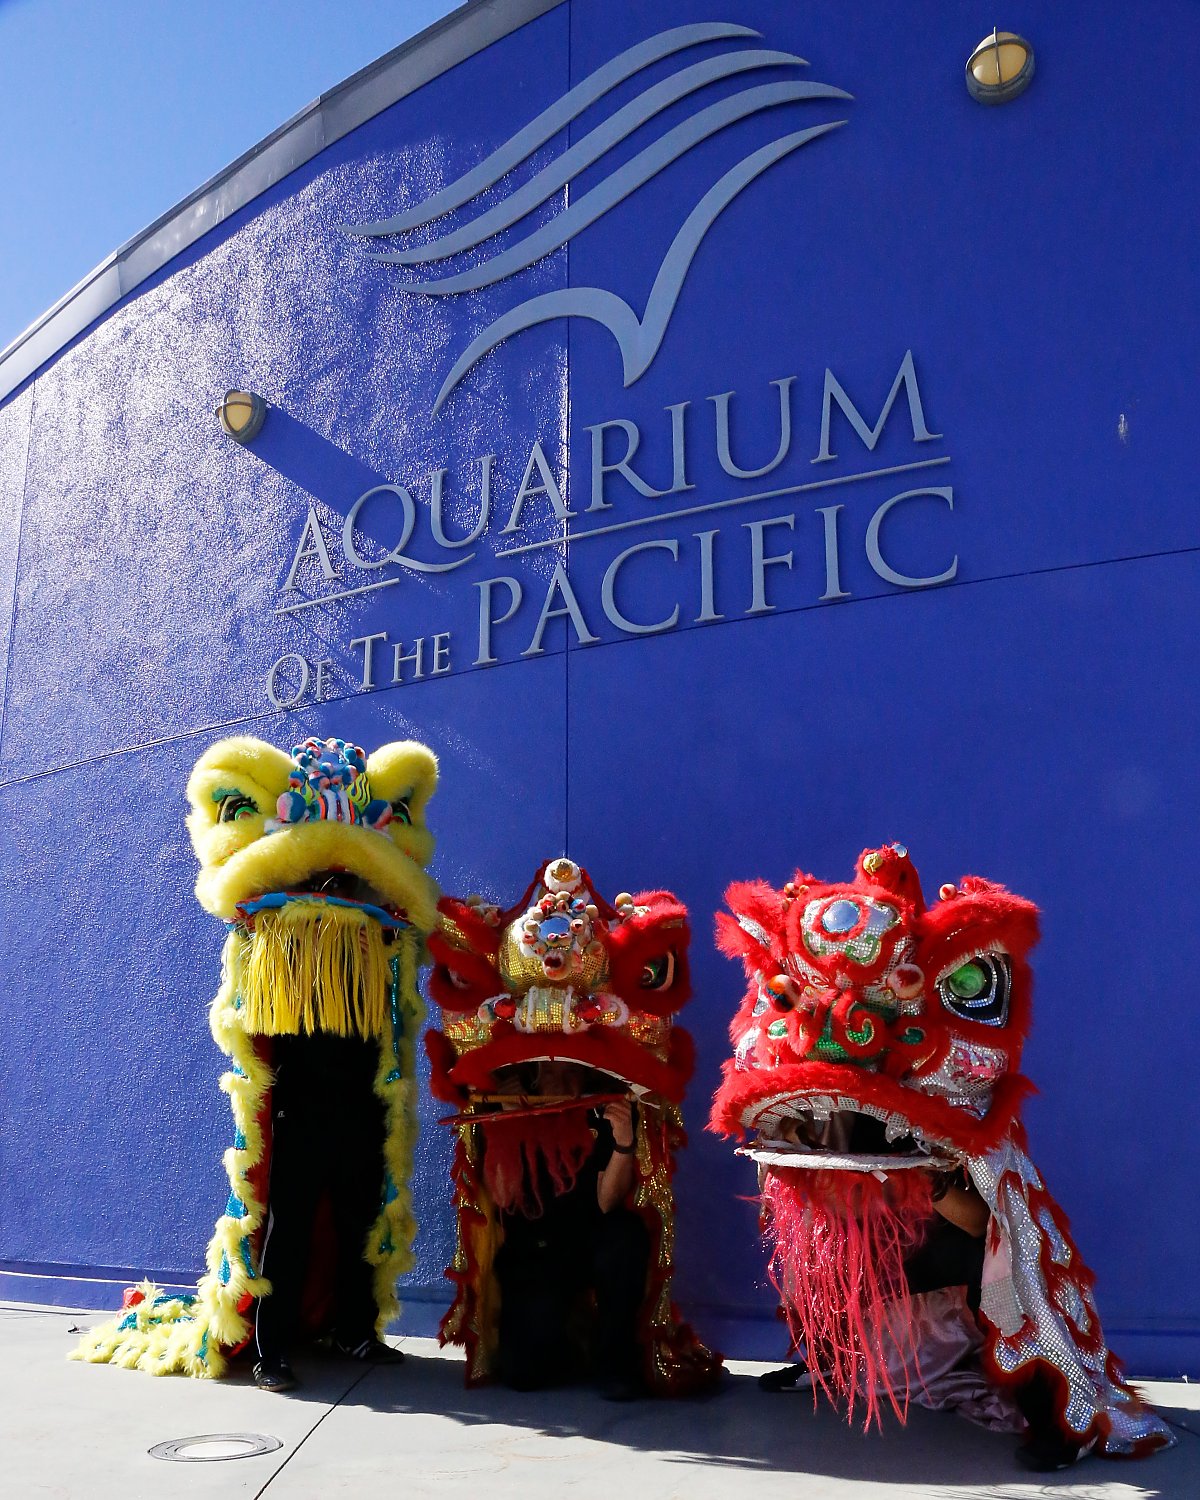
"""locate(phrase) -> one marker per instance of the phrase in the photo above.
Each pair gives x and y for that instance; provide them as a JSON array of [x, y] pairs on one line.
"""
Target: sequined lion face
[[863, 1002], [326, 819], [562, 976]]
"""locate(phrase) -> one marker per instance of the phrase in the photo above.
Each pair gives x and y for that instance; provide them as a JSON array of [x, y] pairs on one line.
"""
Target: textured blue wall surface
[[1034, 720], [14, 448]]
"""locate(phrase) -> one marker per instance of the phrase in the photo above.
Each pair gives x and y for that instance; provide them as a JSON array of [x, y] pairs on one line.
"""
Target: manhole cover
[[212, 1446]]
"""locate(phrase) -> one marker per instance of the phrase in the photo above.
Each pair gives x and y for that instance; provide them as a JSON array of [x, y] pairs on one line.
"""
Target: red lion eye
[[658, 973]]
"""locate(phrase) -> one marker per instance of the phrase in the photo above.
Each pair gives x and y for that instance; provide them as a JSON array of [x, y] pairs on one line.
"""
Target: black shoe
[[783, 1380], [275, 1375], [370, 1351], [1048, 1451], [622, 1388]]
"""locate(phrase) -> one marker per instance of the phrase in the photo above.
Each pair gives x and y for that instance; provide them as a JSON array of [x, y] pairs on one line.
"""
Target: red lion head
[[562, 975], [863, 1001]]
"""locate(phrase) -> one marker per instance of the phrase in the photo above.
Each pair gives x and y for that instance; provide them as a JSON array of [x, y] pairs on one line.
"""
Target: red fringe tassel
[[516, 1150], [838, 1244]]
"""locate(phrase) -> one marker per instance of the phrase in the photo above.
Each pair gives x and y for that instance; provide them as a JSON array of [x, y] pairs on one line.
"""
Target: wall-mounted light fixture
[[242, 414], [1000, 68]]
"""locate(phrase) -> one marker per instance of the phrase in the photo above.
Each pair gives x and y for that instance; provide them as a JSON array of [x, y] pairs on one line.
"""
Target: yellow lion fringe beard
[[313, 967]]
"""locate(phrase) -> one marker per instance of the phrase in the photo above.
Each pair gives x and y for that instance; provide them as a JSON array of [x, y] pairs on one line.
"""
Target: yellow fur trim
[[404, 769], [281, 861], [184, 1335], [389, 1244], [314, 967]]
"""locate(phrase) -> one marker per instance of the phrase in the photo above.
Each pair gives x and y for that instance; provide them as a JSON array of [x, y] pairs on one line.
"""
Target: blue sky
[[111, 111]]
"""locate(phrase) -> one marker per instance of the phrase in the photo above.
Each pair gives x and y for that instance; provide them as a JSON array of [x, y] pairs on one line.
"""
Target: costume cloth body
[[865, 1006], [569, 1250], [564, 976], [328, 1129], [315, 862]]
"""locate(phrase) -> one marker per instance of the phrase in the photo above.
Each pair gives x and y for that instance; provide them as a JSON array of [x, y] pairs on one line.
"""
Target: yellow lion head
[[247, 849], [317, 859]]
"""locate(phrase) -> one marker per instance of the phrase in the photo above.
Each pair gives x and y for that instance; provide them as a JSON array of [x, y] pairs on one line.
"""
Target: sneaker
[[274, 1375], [370, 1351], [622, 1388], [782, 1380]]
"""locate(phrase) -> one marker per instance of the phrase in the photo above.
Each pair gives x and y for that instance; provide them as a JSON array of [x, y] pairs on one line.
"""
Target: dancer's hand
[[619, 1115], [956, 1198], [617, 1178]]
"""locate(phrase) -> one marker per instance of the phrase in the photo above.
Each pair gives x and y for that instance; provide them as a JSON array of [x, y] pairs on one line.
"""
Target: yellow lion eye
[[235, 806]]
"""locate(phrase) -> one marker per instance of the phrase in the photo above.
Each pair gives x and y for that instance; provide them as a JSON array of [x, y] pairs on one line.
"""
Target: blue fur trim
[[273, 900]]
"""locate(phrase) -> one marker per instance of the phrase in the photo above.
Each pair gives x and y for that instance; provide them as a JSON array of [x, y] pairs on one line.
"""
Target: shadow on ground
[[417, 1431], [740, 1428]]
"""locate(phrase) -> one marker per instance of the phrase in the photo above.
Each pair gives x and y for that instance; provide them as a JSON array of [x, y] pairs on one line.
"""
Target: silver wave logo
[[638, 339]]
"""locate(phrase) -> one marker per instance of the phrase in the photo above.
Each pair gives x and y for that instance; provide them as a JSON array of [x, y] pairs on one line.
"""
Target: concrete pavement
[[83, 1432]]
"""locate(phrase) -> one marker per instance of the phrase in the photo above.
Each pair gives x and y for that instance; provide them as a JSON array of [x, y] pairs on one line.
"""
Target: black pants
[[948, 1256], [542, 1281], [327, 1137]]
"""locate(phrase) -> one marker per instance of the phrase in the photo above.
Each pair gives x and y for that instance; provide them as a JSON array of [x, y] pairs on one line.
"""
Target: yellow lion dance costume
[[315, 862]]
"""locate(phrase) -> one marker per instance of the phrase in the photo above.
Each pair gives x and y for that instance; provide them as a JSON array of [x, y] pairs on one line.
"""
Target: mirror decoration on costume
[[878, 1043]]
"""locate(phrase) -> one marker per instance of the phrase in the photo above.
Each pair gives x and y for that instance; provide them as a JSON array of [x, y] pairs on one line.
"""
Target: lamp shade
[[1000, 68], [242, 414]]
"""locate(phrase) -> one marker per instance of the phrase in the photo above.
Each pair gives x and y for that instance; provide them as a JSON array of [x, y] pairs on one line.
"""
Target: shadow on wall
[[321, 469], [334, 480]]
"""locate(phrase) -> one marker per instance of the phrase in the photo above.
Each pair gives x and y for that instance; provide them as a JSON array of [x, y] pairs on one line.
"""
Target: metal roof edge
[[476, 24]]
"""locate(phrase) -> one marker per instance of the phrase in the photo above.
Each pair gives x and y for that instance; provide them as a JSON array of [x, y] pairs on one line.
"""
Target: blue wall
[[1032, 720]]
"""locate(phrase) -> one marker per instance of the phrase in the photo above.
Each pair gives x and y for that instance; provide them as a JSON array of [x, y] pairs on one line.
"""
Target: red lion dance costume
[[564, 977], [868, 1015]]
